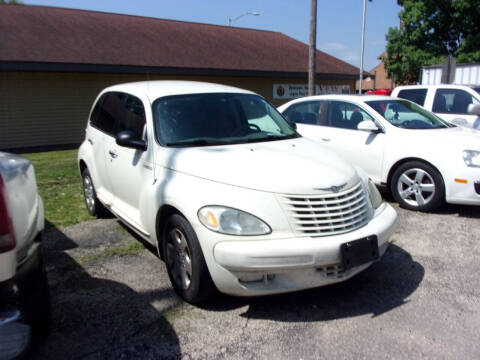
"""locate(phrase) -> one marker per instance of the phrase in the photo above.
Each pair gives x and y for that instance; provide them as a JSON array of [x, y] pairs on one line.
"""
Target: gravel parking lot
[[111, 299]]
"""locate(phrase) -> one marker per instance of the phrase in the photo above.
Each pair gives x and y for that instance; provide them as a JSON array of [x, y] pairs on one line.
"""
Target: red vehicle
[[386, 92]]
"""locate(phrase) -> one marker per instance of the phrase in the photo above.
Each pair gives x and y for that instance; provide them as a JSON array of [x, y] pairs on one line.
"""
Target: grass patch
[[60, 186], [90, 259], [129, 249], [172, 315]]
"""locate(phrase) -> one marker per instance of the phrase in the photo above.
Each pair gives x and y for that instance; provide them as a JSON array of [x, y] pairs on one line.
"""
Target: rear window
[[452, 101], [107, 109], [415, 95], [303, 113], [116, 111]]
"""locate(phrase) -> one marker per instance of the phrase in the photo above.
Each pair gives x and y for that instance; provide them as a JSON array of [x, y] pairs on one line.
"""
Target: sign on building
[[291, 91]]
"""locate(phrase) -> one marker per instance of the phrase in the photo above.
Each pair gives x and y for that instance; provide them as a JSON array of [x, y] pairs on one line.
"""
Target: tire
[[417, 186], [94, 206], [184, 260], [37, 306]]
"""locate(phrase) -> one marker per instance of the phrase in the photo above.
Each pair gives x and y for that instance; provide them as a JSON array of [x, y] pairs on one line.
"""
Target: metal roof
[[56, 36]]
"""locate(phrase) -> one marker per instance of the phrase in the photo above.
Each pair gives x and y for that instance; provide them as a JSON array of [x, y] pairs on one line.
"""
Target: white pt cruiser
[[229, 193]]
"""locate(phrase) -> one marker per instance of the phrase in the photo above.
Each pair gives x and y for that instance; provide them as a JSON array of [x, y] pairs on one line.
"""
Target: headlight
[[471, 158], [231, 221], [374, 194]]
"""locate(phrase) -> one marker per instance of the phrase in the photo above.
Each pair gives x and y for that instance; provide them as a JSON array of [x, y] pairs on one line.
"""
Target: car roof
[[352, 98], [401, 87], [159, 88]]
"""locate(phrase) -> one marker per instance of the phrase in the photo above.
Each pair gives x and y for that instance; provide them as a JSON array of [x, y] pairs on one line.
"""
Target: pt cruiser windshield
[[217, 119], [407, 115]]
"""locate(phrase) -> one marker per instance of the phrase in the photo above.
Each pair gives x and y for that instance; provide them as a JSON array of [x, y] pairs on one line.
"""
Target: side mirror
[[394, 107], [474, 109], [368, 125], [128, 139], [292, 124]]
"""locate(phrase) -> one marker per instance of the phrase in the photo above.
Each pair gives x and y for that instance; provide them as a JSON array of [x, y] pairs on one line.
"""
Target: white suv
[[228, 192], [457, 104]]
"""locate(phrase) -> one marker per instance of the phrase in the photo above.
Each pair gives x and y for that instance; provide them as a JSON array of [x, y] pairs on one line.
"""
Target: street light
[[232, 20], [363, 44]]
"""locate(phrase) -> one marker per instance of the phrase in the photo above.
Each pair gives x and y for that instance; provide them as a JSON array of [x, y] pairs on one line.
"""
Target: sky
[[339, 22]]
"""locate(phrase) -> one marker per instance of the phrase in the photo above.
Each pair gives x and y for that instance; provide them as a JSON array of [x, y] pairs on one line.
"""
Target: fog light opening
[[476, 185], [267, 278], [255, 277]]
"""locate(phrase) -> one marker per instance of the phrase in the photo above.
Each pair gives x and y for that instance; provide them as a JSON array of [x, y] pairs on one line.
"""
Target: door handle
[[91, 141], [113, 153], [326, 139]]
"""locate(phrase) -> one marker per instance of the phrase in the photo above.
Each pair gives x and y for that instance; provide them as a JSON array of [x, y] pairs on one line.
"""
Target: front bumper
[[260, 267], [464, 193]]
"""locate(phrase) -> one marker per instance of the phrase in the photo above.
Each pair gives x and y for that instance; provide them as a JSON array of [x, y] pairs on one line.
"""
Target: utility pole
[[313, 48]]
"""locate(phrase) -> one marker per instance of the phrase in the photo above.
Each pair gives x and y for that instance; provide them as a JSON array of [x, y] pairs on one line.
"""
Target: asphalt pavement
[[112, 299]]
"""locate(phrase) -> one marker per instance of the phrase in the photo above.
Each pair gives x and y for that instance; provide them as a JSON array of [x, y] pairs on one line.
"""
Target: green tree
[[430, 30], [15, 2]]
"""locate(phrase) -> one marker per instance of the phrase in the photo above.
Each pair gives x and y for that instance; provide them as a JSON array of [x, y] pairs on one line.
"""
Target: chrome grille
[[327, 214]]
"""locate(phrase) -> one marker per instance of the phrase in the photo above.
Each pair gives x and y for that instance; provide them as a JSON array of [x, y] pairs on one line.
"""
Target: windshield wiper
[[197, 142], [272, 138]]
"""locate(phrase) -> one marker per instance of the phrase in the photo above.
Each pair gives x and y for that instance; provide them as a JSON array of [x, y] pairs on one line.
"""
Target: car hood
[[458, 136], [295, 166]]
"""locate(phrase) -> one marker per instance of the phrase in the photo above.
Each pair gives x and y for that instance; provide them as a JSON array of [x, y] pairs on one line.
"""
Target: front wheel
[[94, 206], [417, 186], [184, 259]]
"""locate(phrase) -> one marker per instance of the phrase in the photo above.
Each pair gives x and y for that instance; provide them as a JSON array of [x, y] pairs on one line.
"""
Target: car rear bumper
[[260, 267], [12, 261], [14, 333], [12, 290]]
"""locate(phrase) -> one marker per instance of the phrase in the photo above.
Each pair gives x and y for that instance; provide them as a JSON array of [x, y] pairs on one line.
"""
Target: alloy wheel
[[416, 187]]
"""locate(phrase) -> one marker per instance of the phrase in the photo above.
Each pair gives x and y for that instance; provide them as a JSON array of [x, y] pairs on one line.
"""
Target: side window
[[96, 111], [416, 95], [345, 115], [304, 113], [109, 109], [452, 101], [132, 116]]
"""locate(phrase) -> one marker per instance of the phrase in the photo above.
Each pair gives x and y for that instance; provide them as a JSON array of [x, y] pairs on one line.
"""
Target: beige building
[[54, 61]]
